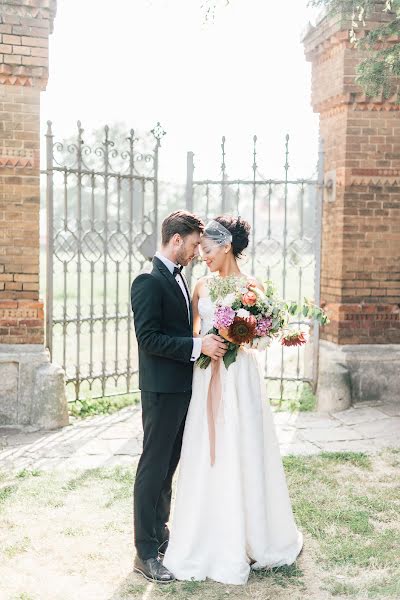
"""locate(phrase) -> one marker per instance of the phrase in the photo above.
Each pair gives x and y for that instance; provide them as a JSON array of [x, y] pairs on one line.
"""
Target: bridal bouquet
[[246, 316]]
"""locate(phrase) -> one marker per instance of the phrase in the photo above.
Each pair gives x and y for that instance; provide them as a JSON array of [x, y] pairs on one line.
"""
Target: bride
[[234, 514]]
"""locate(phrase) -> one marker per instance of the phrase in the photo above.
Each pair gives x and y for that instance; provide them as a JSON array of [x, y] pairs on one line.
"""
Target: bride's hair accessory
[[217, 233]]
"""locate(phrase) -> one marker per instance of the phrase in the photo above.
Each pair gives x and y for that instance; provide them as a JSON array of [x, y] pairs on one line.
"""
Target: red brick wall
[[21, 322], [24, 30], [360, 270]]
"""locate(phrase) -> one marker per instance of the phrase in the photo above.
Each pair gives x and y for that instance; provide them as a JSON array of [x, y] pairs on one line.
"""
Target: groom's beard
[[183, 260]]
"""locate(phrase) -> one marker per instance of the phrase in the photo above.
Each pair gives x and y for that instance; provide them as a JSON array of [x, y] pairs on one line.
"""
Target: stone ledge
[[355, 373], [33, 389]]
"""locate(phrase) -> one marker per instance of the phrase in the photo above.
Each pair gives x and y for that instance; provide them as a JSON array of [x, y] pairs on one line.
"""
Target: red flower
[[297, 338], [241, 331]]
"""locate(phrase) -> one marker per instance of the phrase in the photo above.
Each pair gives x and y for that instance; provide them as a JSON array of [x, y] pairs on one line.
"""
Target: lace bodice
[[206, 312]]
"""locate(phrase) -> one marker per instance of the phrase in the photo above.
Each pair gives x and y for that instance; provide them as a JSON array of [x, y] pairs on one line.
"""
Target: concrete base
[[357, 373], [32, 390]]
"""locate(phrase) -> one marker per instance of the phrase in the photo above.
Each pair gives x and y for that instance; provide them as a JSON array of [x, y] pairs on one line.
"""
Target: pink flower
[[249, 299], [223, 317], [263, 326]]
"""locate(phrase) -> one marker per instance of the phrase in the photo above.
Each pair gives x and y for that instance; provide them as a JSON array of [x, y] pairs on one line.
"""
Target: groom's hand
[[214, 346]]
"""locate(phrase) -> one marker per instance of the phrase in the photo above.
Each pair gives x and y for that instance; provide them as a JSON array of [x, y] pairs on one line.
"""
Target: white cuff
[[196, 349]]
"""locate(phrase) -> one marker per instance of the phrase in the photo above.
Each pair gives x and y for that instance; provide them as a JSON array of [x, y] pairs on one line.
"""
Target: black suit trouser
[[163, 417]]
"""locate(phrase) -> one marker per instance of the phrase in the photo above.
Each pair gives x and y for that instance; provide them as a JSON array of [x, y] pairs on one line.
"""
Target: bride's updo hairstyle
[[240, 231]]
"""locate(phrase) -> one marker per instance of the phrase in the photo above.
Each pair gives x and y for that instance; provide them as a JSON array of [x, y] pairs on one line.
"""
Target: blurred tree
[[379, 71]]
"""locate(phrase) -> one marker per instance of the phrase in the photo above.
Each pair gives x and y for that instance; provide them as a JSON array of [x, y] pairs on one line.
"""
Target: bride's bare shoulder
[[201, 286]]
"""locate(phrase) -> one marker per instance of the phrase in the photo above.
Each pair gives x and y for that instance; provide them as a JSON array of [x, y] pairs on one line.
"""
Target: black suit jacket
[[163, 331]]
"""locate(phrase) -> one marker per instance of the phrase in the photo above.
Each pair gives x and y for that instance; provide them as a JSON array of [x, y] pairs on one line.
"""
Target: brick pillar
[[360, 271], [25, 26]]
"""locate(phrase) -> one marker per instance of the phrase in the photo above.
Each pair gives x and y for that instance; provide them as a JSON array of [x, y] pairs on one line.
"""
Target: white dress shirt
[[196, 351]]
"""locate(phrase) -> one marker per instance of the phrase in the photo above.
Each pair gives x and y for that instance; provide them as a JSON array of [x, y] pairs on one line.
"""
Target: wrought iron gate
[[285, 216], [104, 207], [102, 224]]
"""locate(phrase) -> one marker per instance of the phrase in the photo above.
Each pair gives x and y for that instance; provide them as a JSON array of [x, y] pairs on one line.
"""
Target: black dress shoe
[[153, 570], [163, 548]]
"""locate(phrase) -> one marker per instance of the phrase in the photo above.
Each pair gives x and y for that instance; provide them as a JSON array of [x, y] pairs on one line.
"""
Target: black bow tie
[[177, 271]]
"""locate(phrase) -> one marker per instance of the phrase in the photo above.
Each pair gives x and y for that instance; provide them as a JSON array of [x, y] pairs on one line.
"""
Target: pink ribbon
[[213, 402]]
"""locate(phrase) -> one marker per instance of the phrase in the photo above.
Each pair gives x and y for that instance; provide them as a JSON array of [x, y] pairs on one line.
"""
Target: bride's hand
[[213, 346]]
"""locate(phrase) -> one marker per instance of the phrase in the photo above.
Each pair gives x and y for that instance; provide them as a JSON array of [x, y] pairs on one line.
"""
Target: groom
[[167, 350]]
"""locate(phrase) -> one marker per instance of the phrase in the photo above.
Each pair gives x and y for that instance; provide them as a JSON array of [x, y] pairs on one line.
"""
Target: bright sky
[[142, 61]]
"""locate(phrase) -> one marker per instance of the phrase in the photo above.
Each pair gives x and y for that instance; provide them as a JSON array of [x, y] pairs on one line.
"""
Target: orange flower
[[249, 298]]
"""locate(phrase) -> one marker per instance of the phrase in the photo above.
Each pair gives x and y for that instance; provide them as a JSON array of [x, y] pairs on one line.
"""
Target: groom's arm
[[146, 295]]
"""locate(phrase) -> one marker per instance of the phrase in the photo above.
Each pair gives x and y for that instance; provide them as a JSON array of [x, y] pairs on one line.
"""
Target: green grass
[[29, 473], [73, 531], [19, 547], [351, 508], [386, 586], [346, 503], [6, 492], [120, 475], [338, 588], [307, 400], [358, 459], [134, 590], [119, 482], [303, 400], [101, 406], [282, 576]]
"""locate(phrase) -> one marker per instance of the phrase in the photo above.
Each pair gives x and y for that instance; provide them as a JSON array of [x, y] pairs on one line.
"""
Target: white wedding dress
[[237, 510]]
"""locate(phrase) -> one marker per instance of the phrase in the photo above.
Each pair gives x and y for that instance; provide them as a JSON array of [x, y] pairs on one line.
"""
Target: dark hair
[[240, 230], [182, 222]]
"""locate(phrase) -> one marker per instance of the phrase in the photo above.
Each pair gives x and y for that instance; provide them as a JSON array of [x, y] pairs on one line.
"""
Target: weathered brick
[[24, 60], [30, 286], [5, 48], [34, 41], [11, 285], [361, 241], [13, 59], [8, 304], [25, 277], [30, 31], [39, 52], [38, 61], [8, 322], [11, 19], [11, 39], [21, 50], [31, 323]]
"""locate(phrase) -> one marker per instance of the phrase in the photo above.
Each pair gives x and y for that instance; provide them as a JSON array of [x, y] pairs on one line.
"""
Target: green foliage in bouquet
[[308, 310], [229, 357]]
